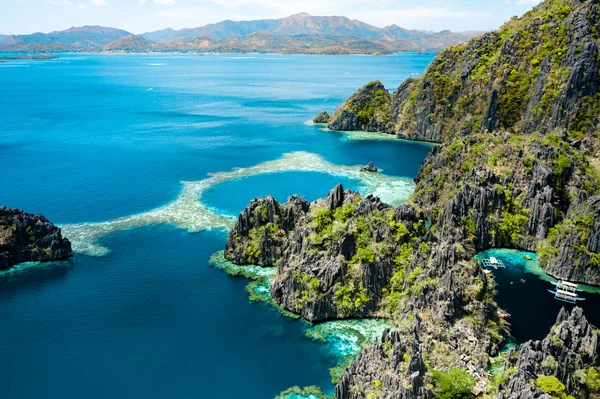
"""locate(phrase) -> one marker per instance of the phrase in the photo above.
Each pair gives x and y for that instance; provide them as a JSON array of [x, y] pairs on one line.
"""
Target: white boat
[[566, 284], [566, 296]]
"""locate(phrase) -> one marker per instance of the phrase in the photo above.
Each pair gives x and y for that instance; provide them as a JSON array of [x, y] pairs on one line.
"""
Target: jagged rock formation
[[573, 248], [569, 352], [370, 168], [368, 109], [348, 256], [502, 190], [26, 238], [517, 110], [322, 117], [258, 235], [389, 369]]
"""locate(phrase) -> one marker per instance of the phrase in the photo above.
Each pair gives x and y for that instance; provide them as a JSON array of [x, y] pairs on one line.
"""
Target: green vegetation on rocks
[[515, 111], [453, 384]]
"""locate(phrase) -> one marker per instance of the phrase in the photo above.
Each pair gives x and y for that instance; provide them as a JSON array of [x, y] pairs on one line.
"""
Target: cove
[[533, 309]]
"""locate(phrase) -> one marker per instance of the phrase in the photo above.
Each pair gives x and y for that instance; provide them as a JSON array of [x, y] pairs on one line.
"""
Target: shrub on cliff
[[453, 384], [553, 387]]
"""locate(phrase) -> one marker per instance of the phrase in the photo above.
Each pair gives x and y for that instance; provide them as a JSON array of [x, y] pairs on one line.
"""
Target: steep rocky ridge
[[529, 192], [348, 256], [536, 73], [513, 171], [570, 352], [25, 238], [517, 111]]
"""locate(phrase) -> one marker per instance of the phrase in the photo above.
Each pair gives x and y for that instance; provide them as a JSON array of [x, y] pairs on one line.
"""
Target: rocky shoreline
[[25, 237], [518, 162], [517, 168]]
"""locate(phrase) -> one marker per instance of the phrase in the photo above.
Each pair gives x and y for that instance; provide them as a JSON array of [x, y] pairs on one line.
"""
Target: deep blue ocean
[[138, 158], [89, 138]]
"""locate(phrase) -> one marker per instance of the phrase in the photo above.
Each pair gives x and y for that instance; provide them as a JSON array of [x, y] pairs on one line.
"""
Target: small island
[[28, 57]]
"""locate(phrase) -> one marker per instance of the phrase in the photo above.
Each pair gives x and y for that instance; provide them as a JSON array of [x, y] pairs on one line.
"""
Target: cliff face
[[368, 109], [518, 191], [537, 73], [390, 368], [348, 256], [570, 352], [572, 250], [517, 112], [26, 238]]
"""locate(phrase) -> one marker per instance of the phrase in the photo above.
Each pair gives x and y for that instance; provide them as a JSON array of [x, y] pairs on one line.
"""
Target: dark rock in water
[[571, 348], [322, 117], [367, 110], [370, 168], [29, 238]]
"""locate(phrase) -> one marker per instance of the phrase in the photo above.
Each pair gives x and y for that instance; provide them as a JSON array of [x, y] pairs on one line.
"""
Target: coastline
[[215, 53]]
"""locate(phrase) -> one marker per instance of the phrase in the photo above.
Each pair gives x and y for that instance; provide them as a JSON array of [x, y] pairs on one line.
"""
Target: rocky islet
[[25, 237]]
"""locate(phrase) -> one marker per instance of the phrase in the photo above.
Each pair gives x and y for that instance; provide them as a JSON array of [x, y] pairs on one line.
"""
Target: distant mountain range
[[299, 34]]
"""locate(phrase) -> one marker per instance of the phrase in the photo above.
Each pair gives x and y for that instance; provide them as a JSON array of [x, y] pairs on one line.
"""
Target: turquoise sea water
[[103, 144]]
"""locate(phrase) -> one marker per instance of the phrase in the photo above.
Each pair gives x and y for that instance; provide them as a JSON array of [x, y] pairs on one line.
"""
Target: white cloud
[[142, 1], [99, 2], [66, 3], [164, 2]]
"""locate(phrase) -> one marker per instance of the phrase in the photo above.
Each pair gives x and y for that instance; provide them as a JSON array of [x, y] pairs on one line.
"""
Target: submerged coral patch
[[346, 337], [311, 392], [188, 212], [258, 288]]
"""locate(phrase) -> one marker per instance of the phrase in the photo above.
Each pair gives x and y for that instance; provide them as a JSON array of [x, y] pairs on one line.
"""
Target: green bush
[[561, 164], [552, 386], [363, 256], [593, 379], [453, 384], [512, 227], [349, 298]]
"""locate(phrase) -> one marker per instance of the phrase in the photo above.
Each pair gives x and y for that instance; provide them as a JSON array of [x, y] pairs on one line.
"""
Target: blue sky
[[138, 16]]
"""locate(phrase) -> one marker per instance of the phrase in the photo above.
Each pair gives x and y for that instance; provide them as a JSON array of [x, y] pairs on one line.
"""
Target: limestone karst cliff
[[517, 113]]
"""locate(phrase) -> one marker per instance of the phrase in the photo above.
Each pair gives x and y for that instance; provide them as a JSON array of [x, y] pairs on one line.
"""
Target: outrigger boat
[[493, 262], [567, 292], [566, 283]]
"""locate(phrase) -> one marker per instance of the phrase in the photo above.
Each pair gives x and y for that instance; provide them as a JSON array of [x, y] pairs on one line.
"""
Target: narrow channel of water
[[523, 292]]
